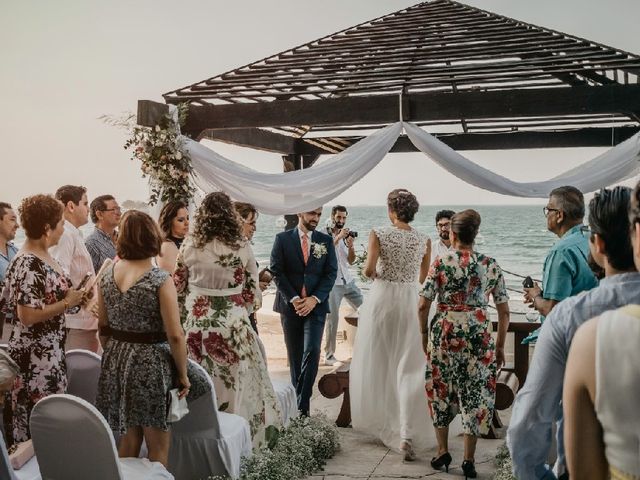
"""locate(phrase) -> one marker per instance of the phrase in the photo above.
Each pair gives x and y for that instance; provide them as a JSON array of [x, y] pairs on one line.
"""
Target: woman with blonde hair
[[216, 278]]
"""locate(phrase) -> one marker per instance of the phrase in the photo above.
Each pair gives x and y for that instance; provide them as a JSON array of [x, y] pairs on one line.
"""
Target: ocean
[[515, 235]]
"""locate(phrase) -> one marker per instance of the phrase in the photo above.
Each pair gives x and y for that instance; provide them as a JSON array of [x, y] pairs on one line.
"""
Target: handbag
[[177, 406]]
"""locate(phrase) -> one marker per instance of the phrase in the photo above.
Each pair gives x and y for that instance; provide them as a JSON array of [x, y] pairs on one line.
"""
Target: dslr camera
[[353, 234]]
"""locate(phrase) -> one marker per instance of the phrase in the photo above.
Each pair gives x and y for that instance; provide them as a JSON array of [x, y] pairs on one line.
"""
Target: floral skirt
[[220, 338], [461, 370]]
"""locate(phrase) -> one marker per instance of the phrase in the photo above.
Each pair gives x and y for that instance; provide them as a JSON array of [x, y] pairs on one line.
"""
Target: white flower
[[318, 249]]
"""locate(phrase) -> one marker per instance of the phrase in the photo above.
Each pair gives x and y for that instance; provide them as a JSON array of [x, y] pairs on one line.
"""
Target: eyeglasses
[[546, 210]]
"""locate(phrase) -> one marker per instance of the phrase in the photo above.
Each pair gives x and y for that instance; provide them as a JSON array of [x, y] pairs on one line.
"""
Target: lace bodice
[[401, 253]]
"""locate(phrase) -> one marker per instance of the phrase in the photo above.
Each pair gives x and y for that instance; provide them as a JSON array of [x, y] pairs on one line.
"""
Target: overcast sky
[[66, 63]]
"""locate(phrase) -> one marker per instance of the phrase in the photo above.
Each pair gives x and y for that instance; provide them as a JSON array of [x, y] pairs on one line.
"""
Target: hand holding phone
[[528, 283], [84, 281]]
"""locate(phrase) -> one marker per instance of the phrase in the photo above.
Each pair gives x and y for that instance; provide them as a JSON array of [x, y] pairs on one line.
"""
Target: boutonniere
[[318, 249]]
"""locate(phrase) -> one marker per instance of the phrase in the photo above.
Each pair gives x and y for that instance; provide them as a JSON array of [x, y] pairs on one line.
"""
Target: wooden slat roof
[[424, 51]]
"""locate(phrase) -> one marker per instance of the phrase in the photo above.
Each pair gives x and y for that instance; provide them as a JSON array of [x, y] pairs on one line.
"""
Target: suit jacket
[[290, 273]]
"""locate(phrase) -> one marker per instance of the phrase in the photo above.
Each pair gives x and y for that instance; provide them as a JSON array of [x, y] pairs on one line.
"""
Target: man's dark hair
[[444, 214], [608, 218], [570, 200], [4, 206], [99, 204], [338, 208], [70, 193]]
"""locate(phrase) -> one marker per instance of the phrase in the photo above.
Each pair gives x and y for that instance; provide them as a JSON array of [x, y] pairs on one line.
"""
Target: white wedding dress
[[386, 378]]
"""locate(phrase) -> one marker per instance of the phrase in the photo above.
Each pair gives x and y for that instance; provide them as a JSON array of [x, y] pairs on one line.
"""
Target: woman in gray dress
[[146, 354]]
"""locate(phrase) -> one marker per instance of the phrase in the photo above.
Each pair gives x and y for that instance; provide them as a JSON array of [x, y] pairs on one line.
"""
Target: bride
[[386, 383]]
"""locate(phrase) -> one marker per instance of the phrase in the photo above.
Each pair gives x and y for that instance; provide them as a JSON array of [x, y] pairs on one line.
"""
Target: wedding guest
[[462, 357], [146, 355], [443, 225], [566, 269], [101, 243], [216, 280], [174, 224], [345, 286], [37, 292], [304, 266], [602, 387], [537, 405], [72, 254], [8, 228], [248, 219], [387, 371]]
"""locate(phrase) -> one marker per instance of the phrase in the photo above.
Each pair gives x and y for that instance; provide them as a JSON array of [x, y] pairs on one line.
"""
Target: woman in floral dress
[[216, 279], [37, 293], [462, 357]]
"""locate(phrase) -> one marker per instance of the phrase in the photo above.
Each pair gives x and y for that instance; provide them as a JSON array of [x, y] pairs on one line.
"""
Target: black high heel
[[469, 469], [443, 460]]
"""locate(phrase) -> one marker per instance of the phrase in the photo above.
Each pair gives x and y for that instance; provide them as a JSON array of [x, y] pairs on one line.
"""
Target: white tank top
[[618, 387]]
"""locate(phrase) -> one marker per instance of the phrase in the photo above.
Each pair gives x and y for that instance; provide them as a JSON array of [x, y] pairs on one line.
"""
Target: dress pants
[[353, 295], [303, 336]]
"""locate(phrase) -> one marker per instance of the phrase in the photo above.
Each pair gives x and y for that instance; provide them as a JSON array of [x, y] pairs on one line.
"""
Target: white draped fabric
[[291, 192], [615, 165], [303, 190]]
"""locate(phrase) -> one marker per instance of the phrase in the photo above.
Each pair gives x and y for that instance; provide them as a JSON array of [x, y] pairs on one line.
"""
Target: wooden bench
[[511, 378]]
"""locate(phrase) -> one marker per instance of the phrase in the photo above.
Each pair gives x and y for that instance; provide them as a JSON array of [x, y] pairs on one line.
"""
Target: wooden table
[[336, 383]]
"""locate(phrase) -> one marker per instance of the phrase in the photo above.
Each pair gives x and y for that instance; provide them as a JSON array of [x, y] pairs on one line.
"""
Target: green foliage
[[360, 262], [162, 155], [503, 465], [294, 452]]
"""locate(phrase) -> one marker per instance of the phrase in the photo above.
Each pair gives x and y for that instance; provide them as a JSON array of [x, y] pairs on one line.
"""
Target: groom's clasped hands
[[304, 306]]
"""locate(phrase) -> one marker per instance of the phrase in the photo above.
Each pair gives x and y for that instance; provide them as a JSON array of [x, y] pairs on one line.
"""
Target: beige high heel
[[407, 448]]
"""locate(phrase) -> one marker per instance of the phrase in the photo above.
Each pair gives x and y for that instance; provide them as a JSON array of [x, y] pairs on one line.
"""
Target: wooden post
[[296, 162]]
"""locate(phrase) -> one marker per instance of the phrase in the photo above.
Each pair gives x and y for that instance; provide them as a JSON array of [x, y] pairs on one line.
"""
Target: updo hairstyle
[[37, 212], [403, 203], [465, 225]]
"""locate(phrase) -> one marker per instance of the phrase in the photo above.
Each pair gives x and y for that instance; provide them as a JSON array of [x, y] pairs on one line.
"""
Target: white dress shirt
[[442, 250], [72, 254]]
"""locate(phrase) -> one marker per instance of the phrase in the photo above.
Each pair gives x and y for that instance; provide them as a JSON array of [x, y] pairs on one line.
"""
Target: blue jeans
[[302, 336], [352, 293]]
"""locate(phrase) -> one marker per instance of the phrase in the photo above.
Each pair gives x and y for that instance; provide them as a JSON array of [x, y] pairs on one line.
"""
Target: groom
[[304, 267]]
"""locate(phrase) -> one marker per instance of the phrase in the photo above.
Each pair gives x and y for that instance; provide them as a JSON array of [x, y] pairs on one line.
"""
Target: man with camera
[[345, 286]]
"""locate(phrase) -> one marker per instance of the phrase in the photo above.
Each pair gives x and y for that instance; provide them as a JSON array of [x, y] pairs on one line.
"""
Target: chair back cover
[[72, 440], [6, 471], [83, 373], [203, 411]]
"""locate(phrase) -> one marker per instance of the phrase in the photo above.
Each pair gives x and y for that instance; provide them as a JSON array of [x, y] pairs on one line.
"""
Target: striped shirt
[[100, 248]]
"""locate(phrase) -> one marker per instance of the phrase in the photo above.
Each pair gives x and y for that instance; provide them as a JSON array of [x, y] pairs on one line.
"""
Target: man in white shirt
[[443, 225], [345, 286], [72, 254]]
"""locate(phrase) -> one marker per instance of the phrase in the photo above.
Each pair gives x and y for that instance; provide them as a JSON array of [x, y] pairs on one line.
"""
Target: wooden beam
[[423, 106], [585, 137], [150, 113], [254, 138]]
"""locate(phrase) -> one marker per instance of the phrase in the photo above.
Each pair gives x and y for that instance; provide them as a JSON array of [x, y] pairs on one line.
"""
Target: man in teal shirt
[[566, 269]]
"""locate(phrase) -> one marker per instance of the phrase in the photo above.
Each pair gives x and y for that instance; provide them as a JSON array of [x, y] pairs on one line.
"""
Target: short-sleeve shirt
[[465, 278], [5, 260], [566, 269]]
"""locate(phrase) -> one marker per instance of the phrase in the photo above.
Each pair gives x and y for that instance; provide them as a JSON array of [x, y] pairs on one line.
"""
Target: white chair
[[72, 440], [29, 470], [287, 399], [207, 442], [83, 373]]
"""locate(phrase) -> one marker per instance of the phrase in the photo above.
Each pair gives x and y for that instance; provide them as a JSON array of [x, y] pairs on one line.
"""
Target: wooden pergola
[[475, 79]]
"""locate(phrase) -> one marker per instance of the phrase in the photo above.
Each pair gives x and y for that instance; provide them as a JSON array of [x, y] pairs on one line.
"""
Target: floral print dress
[[217, 286], [37, 349], [461, 360]]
